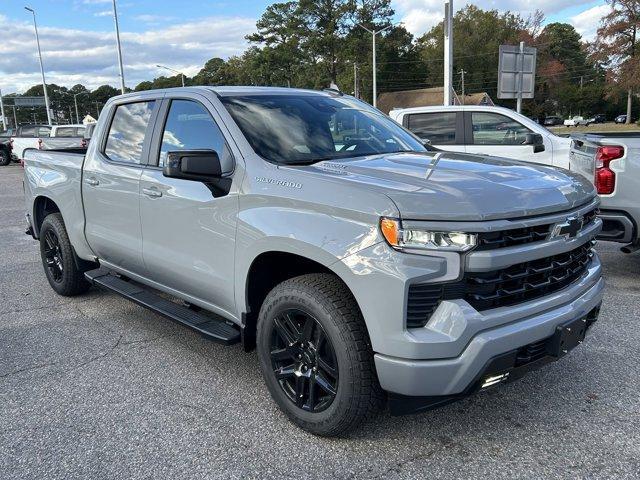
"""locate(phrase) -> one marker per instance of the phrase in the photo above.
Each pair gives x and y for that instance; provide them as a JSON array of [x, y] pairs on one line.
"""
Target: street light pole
[[175, 71], [4, 119], [44, 83], [375, 79], [115, 19]]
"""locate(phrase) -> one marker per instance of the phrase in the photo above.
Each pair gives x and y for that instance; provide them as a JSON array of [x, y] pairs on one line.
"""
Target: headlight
[[403, 239]]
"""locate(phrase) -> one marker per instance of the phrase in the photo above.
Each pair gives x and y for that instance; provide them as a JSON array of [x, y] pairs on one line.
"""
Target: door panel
[[188, 233], [111, 186]]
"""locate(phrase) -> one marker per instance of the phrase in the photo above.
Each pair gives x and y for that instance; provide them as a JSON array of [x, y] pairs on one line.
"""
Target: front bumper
[[451, 376]]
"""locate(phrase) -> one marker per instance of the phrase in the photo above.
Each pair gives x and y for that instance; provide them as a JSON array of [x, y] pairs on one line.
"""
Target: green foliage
[[312, 43]]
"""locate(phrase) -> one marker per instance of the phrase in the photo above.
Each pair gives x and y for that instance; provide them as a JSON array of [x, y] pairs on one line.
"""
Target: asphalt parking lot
[[97, 387]]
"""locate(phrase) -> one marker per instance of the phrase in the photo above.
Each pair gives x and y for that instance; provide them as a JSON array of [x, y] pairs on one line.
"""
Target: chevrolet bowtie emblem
[[568, 229]]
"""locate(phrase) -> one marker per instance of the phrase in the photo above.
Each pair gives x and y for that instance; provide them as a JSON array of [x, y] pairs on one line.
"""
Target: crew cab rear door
[[111, 182], [189, 227], [444, 130]]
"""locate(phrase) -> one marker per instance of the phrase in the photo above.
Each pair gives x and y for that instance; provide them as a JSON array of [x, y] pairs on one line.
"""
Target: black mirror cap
[[533, 139], [196, 165]]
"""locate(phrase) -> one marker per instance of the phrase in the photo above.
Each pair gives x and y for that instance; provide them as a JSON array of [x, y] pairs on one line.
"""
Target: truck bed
[[56, 174]]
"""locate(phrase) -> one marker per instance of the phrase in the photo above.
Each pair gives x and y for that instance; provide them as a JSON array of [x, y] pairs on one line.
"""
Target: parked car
[[612, 163], [599, 118], [311, 226], [621, 119], [46, 137], [485, 130], [553, 121], [6, 155], [577, 122]]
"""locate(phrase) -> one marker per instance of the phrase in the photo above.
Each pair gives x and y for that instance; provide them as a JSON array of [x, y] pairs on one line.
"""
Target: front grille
[[500, 288], [520, 236]]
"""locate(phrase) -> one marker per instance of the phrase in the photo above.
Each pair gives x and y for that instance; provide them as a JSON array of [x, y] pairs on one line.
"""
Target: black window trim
[[147, 137], [468, 120]]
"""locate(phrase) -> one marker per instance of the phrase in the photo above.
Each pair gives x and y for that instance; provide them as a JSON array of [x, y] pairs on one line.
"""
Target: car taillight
[[605, 178], [83, 143], [39, 144]]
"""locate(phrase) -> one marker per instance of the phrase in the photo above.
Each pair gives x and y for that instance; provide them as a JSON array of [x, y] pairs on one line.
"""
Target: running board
[[216, 329]]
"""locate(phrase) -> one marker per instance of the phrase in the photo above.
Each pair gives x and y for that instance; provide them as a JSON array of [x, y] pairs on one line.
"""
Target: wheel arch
[[268, 269], [43, 206]]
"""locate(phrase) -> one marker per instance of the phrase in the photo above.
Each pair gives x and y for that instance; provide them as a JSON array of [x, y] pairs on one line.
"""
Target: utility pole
[[4, 119], [15, 118], [115, 19], [448, 52], [182, 74], [520, 77], [44, 83], [355, 79], [97, 110], [375, 79], [462, 72]]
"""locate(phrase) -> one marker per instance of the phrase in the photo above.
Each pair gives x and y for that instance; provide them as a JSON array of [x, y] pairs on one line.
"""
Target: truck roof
[[235, 90]]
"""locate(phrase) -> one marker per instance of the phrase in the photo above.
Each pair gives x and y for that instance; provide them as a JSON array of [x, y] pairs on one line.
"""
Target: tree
[[211, 73], [617, 46]]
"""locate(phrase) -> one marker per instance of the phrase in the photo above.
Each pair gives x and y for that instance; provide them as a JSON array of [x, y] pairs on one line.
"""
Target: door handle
[[93, 182], [152, 192]]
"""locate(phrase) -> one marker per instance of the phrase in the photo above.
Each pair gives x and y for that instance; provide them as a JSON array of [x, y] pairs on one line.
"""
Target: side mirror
[[536, 140], [196, 165]]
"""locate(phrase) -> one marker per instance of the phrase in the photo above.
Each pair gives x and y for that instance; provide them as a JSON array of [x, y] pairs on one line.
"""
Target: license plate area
[[567, 337]]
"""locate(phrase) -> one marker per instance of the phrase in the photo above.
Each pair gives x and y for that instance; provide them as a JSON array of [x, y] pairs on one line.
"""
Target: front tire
[[58, 258], [315, 355]]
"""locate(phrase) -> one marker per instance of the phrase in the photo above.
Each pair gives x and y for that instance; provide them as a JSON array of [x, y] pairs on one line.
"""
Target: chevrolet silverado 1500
[[366, 270]]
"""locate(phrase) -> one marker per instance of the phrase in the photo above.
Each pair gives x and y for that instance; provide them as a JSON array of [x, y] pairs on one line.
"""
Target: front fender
[[315, 235]]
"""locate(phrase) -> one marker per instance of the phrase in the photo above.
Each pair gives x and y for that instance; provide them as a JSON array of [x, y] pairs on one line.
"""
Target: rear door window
[[439, 128], [127, 132], [65, 132]]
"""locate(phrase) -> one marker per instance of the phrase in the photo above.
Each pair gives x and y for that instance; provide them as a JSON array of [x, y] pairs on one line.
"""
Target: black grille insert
[[521, 236], [500, 288]]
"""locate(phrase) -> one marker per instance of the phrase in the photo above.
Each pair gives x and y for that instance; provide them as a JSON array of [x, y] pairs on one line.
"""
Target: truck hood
[[454, 186]]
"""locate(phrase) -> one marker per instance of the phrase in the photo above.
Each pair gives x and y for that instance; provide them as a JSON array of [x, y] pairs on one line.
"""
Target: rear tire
[[325, 349], [5, 158], [58, 258]]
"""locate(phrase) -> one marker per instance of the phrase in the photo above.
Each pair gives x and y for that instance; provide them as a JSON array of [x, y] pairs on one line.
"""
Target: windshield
[[302, 129]]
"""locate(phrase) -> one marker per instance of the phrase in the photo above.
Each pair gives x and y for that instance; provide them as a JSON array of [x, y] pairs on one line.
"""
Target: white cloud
[[587, 22], [420, 15], [104, 13], [73, 56]]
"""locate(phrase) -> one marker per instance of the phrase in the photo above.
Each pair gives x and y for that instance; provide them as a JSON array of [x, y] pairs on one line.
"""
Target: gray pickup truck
[[612, 162], [366, 270]]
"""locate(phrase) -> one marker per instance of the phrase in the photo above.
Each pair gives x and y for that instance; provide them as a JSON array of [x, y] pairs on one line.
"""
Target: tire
[[58, 258], [5, 158], [345, 352]]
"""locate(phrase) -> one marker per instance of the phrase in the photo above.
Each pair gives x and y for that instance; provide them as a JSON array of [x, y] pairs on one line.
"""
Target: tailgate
[[582, 157]]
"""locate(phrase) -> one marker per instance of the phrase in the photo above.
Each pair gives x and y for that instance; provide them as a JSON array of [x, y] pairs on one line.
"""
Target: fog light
[[492, 380]]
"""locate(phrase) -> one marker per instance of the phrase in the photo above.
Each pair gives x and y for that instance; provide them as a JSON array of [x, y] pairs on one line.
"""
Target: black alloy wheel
[[304, 360], [53, 256]]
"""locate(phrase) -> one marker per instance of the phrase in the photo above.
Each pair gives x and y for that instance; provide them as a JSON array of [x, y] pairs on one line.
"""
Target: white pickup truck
[[612, 162], [485, 130], [46, 137]]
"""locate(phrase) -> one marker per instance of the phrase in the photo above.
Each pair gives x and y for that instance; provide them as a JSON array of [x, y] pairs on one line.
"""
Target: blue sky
[[78, 41]]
